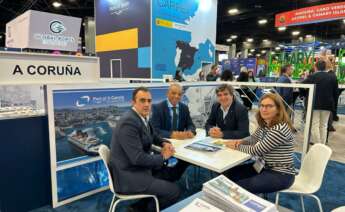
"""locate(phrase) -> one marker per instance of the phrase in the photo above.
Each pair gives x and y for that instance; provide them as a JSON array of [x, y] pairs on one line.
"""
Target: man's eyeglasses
[[268, 106]]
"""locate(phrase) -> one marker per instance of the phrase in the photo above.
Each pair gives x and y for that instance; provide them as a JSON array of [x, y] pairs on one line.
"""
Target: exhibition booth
[[57, 110]]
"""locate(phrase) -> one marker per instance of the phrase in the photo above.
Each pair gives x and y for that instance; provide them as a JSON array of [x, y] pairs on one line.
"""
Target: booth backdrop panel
[[24, 164], [235, 65], [122, 64], [119, 18], [180, 41]]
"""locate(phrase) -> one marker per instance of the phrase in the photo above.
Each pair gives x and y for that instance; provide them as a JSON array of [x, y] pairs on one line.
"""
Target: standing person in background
[[272, 144], [244, 91], [202, 75], [286, 93], [251, 78], [227, 75], [331, 70], [325, 93], [179, 76], [213, 75]]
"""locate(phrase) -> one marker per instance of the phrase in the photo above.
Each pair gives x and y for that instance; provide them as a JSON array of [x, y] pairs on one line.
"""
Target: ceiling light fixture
[[258, 55], [252, 50], [233, 36], [205, 5], [56, 4], [277, 48], [308, 36], [250, 40], [344, 21], [262, 21], [228, 40], [281, 28], [263, 51], [265, 40], [233, 11], [295, 33]]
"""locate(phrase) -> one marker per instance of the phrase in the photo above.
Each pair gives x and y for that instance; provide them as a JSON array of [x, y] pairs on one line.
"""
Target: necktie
[[147, 125], [174, 119]]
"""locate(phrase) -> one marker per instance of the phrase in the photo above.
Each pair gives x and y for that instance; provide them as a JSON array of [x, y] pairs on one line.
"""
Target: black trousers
[[163, 187], [266, 181]]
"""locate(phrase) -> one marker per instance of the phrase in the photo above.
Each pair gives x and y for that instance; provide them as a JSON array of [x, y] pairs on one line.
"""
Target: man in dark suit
[[136, 169], [228, 118], [324, 100], [171, 118], [286, 93]]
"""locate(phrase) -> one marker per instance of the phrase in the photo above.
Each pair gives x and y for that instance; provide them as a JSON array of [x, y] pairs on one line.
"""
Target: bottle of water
[[172, 161]]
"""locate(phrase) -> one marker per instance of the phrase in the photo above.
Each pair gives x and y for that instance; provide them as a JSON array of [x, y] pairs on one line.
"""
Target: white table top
[[219, 161]]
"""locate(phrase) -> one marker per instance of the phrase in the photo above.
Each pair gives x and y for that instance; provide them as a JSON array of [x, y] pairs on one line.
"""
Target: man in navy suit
[[228, 118], [136, 169], [171, 118]]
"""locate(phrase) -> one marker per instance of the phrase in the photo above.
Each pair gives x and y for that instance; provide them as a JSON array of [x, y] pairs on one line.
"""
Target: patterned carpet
[[332, 192]]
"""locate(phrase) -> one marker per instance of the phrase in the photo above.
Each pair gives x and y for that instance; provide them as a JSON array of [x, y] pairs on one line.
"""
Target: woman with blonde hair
[[272, 147]]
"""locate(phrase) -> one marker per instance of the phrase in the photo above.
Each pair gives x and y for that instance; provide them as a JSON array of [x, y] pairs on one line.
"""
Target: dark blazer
[[326, 90], [236, 122], [131, 157], [285, 93], [161, 119]]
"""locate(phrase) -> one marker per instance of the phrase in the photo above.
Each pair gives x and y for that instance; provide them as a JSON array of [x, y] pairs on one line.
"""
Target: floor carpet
[[332, 192]]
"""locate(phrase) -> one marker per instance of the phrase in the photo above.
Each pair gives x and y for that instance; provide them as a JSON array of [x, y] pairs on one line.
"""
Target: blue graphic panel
[[81, 179], [174, 46], [144, 57]]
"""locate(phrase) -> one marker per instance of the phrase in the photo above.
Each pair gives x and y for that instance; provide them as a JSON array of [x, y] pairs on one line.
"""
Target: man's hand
[[216, 132], [181, 135], [167, 151], [190, 134]]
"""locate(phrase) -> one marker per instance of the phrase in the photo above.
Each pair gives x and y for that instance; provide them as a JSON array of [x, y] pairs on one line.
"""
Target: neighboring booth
[[301, 60], [149, 39], [25, 158], [235, 65], [42, 30]]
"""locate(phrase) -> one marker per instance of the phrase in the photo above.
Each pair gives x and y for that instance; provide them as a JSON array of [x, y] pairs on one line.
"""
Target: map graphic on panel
[[184, 34]]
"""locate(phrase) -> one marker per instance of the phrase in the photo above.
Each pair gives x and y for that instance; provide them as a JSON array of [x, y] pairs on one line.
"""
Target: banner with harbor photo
[[81, 119]]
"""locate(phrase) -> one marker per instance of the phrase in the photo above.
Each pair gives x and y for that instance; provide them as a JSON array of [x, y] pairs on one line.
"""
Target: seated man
[[228, 118], [171, 118], [135, 167]]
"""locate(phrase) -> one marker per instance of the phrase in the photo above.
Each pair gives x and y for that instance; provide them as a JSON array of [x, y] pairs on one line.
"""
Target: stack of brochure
[[199, 205], [228, 196]]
